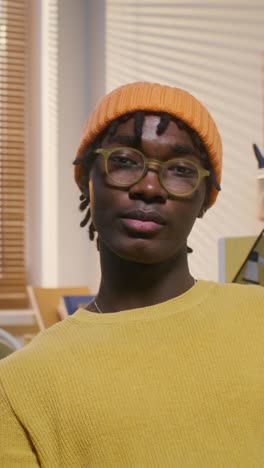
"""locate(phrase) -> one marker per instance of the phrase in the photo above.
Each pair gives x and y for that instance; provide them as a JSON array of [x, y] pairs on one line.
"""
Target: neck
[[127, 285]]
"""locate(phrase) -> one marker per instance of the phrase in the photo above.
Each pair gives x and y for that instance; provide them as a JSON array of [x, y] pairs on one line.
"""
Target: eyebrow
[[129, 140], [184, 150], [176, 150]]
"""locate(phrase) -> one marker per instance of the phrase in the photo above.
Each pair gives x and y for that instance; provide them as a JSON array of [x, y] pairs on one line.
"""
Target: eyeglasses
[[126, 166]]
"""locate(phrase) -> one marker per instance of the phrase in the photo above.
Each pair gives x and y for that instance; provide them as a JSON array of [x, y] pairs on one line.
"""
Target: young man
[[161, 370]]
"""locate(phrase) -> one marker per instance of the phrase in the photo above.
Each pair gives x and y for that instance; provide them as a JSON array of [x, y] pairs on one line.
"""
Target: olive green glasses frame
[[126, 166]]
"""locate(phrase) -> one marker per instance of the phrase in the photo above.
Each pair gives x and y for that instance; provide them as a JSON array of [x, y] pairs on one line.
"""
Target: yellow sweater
[[179, 384]]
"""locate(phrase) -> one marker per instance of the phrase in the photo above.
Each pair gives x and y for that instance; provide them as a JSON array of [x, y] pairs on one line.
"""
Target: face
[[143, 223]]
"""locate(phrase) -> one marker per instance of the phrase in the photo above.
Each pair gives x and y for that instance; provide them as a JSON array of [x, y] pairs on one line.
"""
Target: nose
[[149, 188]]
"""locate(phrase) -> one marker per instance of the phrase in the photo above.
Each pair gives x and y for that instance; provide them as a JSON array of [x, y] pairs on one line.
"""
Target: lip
[[145, 216], [143, 222]]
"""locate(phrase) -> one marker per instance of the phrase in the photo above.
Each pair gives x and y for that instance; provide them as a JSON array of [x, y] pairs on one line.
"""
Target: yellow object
[[234, 250], [45, 301], [251, 270], [178, 384], [154, 97]]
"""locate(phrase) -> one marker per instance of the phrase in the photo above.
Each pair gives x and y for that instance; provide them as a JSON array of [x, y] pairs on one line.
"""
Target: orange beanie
[[157, 98]]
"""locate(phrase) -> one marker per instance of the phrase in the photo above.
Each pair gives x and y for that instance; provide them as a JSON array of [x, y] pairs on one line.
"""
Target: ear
[[85, 190], [202, 211]]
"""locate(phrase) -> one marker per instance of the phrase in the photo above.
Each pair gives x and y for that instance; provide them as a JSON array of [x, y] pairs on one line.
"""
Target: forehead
[[171, 136]]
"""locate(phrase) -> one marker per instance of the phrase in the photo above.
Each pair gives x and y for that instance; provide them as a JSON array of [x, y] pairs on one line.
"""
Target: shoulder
[[241, 292], [39, 355], [234, 290], [243, 302]]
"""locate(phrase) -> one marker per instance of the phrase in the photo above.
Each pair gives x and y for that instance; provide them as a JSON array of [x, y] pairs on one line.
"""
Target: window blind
[[13, 50]]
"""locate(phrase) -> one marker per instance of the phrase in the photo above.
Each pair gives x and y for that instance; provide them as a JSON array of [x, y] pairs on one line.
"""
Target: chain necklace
[[101, 312], [98, 308]]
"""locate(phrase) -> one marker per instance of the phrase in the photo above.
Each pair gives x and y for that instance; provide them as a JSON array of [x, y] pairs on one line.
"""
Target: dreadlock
[[87, 159], [138, 125]]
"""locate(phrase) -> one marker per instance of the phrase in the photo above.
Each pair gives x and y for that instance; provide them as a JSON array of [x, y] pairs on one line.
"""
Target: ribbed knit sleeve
[[15, 447]]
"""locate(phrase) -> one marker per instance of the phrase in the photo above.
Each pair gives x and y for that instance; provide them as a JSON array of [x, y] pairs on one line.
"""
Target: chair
[[45, 301], [8, 343]]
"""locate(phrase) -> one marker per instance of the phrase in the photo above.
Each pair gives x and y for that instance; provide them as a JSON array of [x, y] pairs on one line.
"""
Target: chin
[[142, 252], [140, 259]]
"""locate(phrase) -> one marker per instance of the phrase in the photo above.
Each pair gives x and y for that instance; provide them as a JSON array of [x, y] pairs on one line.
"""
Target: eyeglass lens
[[125, 166]]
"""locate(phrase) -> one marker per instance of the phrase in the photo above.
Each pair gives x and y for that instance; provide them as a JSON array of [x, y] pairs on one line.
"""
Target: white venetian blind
[[13, 50], [213, 49]]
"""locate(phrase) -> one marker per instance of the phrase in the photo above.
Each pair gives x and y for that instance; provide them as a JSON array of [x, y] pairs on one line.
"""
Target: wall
[[81, 82], [66, 77]]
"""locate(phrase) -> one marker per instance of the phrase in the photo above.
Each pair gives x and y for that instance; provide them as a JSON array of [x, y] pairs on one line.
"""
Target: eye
[[122, 160], [125, 158], [182, 170]]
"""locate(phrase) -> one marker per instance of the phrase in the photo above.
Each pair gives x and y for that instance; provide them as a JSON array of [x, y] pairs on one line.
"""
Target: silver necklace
[[97, 307], [101, 312]]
